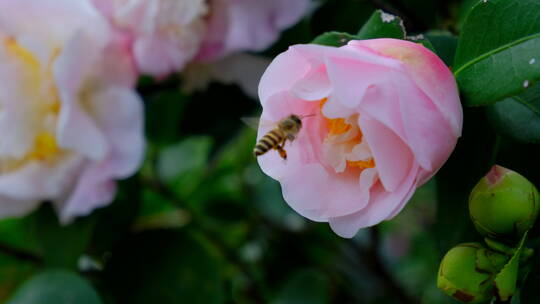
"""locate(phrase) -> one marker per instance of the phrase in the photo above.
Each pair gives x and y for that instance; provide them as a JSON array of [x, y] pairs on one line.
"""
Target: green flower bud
[[503, 204], [467, 271]]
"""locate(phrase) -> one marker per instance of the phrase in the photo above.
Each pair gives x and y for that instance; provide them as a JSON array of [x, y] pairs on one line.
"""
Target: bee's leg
[[291, 138], [281, 150]]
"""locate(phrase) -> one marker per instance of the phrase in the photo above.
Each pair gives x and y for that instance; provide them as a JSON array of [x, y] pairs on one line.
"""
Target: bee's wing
[[256, 122]]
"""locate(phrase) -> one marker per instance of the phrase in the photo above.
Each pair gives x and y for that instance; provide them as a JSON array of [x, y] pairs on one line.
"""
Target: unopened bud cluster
[[503, 207]]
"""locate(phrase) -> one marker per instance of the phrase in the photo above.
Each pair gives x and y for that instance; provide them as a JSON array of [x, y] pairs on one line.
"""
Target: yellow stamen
[[24, 55], [45, 146], [37, 81], [338, 126], [54, 108], [362, 164]]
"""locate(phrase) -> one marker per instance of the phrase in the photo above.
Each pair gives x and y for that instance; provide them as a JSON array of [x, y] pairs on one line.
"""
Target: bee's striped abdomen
[[269, 141]]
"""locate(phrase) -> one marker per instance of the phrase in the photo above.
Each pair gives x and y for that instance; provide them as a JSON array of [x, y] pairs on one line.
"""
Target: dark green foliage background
[[200, 223]]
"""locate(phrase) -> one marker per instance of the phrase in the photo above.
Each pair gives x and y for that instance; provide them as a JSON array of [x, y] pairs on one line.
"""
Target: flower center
[[22, 54], [344, 146], [44, 148], [38, 101]]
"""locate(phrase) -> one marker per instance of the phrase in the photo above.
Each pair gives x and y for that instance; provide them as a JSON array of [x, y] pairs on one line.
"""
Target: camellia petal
[[428, 72], [287, 69], [383, 205], [392, 156]]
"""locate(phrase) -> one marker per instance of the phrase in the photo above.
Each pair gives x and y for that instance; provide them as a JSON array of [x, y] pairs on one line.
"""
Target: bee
[[286, 129]]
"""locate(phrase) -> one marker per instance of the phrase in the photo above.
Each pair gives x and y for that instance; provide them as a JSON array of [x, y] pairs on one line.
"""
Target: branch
[[20, 254]]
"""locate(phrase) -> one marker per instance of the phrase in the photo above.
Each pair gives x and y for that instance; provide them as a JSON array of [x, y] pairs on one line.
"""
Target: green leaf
[[238, 152], [336, 39], [164, 110], [382, 25], [529, 291], [184, 157], [60, 245], [423, 40], [13, 272], [463, 10], [157, 212], [165, 266], [182, 166], [506, 279], [518, 117], [19, 233], [55, 287], [498, 50], [304, 287], [445, 45]]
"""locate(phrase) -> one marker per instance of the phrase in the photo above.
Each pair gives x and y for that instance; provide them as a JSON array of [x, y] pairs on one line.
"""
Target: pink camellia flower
[[385, 117], [247, 25], [70, 122], [164, 34]]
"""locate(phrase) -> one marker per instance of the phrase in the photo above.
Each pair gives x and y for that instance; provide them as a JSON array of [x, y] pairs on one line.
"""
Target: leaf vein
[[527, 104], [495, 51]]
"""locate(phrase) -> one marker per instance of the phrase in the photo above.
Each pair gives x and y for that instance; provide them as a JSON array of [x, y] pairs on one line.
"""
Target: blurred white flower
[[70, 122]]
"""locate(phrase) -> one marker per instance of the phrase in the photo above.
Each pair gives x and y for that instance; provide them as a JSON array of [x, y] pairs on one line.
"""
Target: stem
[[372, 260], [496, 148], [20, 254]]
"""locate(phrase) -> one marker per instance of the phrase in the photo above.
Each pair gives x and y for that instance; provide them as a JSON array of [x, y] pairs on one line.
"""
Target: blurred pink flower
[[387, 116], [247, 25], [70, 122], [164, 34]]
